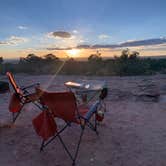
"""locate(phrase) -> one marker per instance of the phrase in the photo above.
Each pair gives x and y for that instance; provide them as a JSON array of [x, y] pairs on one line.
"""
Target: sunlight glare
[[73, 52]]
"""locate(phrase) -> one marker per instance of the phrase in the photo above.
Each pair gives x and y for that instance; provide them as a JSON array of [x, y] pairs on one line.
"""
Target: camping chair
[[20, 97], [62, 105]]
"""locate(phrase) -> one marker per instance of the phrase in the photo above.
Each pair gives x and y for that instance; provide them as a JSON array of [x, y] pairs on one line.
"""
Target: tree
[[71, 60], [129, 63], [51, 58], [125, 55], [95, 63], [95, 57], [134, 55], [32, 58], [1, 60]]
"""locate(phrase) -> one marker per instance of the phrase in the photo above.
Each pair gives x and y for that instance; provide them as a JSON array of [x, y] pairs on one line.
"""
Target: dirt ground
[[133, 132]]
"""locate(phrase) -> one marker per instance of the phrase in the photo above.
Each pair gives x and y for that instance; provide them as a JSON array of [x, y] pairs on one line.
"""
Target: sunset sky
[[73, 27]]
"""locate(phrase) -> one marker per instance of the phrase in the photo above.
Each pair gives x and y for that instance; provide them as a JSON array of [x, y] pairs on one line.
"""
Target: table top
[[86, 85]]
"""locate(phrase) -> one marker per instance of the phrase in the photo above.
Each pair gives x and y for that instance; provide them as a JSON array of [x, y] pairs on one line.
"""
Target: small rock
[[4, 87]]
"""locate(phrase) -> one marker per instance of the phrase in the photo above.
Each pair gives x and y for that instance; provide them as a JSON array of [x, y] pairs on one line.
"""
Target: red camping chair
[[62, 105], [20, 97]]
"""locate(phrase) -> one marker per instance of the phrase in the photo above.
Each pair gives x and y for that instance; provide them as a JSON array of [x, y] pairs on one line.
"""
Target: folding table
[[86, 90]]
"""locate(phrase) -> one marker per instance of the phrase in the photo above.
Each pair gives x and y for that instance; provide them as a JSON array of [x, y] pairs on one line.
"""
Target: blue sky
[[91, 21]]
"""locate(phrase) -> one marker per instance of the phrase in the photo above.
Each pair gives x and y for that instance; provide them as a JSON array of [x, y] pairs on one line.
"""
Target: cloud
[[127, 41], [14, 40], [61, 40], [22, 27], [75, 31], [49, 35], [96, 46], [84, 46], [103, 36], [3, 42], [58, 48], [60, 34], [158, 43], [144, 42], [130, 43]]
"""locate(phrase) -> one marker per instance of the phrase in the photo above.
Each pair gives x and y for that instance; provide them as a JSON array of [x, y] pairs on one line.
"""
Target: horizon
[[80, 28], [82, 59]]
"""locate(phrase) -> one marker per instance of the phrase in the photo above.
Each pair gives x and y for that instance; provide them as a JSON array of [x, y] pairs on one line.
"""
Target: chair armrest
[[30, 86], [92, 110]]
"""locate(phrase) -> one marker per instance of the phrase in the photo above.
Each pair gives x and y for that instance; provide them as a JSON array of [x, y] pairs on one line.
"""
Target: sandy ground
[[133, 132]]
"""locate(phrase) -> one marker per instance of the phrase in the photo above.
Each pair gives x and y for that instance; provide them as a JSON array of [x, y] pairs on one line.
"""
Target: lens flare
[[73, 52]]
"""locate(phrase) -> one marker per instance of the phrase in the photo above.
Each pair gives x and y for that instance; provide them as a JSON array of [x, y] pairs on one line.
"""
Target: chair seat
[[83, 110]]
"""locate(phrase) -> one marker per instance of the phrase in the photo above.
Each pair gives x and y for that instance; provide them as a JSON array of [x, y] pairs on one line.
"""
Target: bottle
[[99, 115]]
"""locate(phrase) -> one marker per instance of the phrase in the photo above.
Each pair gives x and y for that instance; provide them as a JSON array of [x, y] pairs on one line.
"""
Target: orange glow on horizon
[[73, 53]]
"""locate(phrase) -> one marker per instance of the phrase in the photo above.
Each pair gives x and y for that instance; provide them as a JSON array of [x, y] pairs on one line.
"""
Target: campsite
[[83, 83], [132, 132]]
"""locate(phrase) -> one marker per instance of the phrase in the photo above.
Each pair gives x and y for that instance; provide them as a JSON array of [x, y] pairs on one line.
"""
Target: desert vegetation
[[128, 63]]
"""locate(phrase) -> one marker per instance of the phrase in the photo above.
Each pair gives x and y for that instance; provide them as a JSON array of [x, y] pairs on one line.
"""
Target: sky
[[60, 26]]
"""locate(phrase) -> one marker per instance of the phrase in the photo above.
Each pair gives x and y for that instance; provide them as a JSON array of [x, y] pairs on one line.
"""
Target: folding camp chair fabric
[[45, 125], [20, 97], [14, 105], [61, 104]]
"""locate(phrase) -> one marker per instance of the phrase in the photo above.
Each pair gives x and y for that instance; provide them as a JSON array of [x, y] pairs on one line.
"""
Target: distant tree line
[[127, 64]]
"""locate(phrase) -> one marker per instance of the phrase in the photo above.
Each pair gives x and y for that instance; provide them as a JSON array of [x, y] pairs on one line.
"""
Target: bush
[[129, 63]]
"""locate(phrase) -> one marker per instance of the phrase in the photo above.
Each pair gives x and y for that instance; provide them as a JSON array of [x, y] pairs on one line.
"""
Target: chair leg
[[13, 117], [65, 147], [96, 126], [78, 145], [17, 114], [95, 122], [91, 126], [45, 143], [42, 146]]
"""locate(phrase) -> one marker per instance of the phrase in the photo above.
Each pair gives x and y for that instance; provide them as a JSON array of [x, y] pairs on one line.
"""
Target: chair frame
[[21, 93], [83, 123]]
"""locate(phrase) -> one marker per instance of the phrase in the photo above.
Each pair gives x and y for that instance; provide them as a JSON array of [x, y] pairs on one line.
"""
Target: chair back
[[61, 104], [13, 83], [103, 93]]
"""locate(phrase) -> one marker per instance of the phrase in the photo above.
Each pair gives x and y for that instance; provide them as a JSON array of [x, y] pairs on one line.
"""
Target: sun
[[73, 52]]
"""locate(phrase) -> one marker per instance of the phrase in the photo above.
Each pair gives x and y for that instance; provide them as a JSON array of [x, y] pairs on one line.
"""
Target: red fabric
[[14, 105], [62, 104], [99, 115], [83, 110], [45, 125], [99, 118]]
